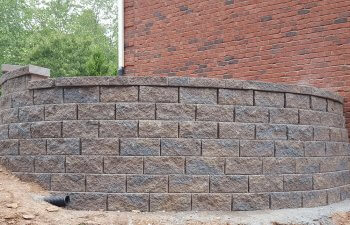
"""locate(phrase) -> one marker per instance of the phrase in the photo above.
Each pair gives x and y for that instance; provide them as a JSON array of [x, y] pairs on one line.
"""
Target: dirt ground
[[18, 206]]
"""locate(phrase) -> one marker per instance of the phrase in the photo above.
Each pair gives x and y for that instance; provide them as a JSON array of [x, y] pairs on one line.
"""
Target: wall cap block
[[35, 71]]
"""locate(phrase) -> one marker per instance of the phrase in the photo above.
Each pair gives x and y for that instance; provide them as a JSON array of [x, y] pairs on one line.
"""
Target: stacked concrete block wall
[[175, 144]]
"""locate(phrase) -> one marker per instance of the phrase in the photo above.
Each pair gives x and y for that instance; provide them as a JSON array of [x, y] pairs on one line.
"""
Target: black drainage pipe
[[60, 201]]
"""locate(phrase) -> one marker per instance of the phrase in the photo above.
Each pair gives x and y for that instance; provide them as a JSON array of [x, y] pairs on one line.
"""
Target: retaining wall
[[155, 143]]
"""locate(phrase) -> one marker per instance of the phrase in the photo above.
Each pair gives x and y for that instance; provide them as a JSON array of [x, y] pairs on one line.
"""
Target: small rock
[[28, 216], [9, 217], [12, 205], [52, 209]]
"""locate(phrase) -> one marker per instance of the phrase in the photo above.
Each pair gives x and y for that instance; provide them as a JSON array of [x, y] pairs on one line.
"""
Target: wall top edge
[[183, 82], [14, 71]]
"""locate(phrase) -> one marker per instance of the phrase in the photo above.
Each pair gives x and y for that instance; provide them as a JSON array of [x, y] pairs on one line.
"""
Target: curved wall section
[[153, 143]]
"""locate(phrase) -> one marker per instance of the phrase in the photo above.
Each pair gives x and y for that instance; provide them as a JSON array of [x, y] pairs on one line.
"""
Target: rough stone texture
[[235, 97], [251, 114], [203, 166], [106, 183], [63, 146], [177, 112], [140, 147], [297, 101], [147, 184], [88, 201], [188, 184], [170, 202], [198, 95], [243, 166], [118, 129], [321, 134], [279, 165], [101, 146], [314, 198], [271, 132], [96, 111], [48, 96], [128, 202], [286, 200], [46, 129], [20, 131], [266, 183], [119, 94], [31, 114], [9, 147], [284, 116], [4, 132], [164, 165], [198, 130], [81, 95], [123, 165], [300, 133], [315, 149], [220, 113], [9, 116], [84, 164], [211, 202], [18, 163], [269, 99], [228, 184], [289, 149], [68, 182], [61, 112], [180, 147], [248, 202], [256, 148], [220, 148], [50, 164], [159, 94], [131, 111], [297, 182], [236, 131], [158, 129], [319, 104]]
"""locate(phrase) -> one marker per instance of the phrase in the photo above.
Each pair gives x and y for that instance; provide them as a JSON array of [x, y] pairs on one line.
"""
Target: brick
[[84, 164], [188, 184], [198, 95], [135, 111], [334, 107], [48, 96], [147, 184], [140, 147], [205, 166], [39, 178], [251, 114], [297, 182], [88, 201], [159, 94], [18, 163], [170, 202], [158, 129], [81, 95], [96, 111], [118, 129], [128, 202], [198, 130], [50, 164], [31, 114], [307, 165], [300, 133], [180, 147], [269, 99], [279, 165], [286, 200], [243, 166], [297, 101], [106, 183], [310, 117], [314, 198], [123, 165], [220, 113], [63, 146], [235, 97], [220, 148], [177, 112], [119, 94], [256, 148], [315, 149], [321, 134], [228, 184], [164, 165], [101, 146], [61, 112], [10, 116], [284, 116], [9, 147], [319, 104], [46, 129], [21, 99], [265, 183], [249, 202], [211, 202], [19, 131], [289, 149], [271, 132]]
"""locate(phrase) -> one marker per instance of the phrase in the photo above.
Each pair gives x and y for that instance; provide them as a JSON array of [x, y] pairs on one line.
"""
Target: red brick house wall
[[289, 41]]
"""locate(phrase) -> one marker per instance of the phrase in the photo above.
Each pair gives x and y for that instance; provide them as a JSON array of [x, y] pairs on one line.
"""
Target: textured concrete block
[[205, 166], [228, 184], [336, 149], [315, 148], [123, 165], [64, 146], [84, 164], [333, 120], [61, 112], [159, 94], [336, 134], [269, 99], [46, 129], [180, 147], [5, 102], [286, 200], [243, 166], [289, 149], [177, 112], [297, 101], [198, 95], [82, 129], [106, 183], [211, 202], [327, 180], [271, 132], [96, 111], [314, 198], [220, 113], [81, 95], [308, 165], [266, 183], [43, 180], [147, 183], [9, 147], [4, 132], [333, 195], [170, 202], [249, 202], [9, 116], [235, 97], [31, 114], [300, 133], [21, 99], [164, 165], [198, 130], [236, 131], [101, 146], [18, 163], [134, 111], [158, 129], [330, 164], [279, 165], [50, 164], [251, 114], [121, 129], [284, 116], [310, 117], [139, 147], [188, 184], [321, 134], [319, 104], [220, 148], [119, 94], [297, 182], [256, 148], [334, 107], [128, 202], [19, 131], [48, 96], [88, 201]]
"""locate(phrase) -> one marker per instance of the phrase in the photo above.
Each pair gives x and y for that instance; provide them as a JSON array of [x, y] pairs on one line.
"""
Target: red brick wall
[[292, 41]]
